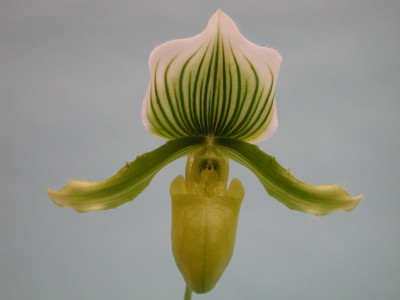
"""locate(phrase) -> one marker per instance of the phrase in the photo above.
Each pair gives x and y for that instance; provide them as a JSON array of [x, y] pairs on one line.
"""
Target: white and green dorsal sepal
[[216, 83]]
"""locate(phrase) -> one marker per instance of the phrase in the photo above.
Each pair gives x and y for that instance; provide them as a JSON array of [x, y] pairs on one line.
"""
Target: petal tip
[[357, 200], [53, 196], [359, 197], [222, 23]]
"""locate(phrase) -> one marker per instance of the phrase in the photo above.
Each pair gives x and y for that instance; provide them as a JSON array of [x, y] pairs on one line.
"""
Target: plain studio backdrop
[[72, 78]]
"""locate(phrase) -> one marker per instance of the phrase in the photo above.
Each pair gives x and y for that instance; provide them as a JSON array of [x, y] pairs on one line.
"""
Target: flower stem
[[188, 294]]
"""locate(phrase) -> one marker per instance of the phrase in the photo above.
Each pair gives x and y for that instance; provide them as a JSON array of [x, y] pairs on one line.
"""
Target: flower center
[[207, 172]]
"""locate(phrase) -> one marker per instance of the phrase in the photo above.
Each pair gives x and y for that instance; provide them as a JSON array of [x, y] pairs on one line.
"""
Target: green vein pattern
[[214, 91]]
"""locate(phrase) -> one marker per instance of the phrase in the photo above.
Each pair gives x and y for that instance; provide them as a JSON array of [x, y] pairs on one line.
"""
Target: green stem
[[188, 294]]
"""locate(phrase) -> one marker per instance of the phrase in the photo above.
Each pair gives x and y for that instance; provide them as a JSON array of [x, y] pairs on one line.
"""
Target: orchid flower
[[212, 96]]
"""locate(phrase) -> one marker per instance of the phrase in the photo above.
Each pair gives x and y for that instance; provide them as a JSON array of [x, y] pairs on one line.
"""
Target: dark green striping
[[193, 112], [241, 103], [157, 127], [199, 113], [208, 111], [156, 117], [220, 101], [259, 119], [225, 106], [155, 113], [168, 124], [204, 102], [181, 111], [229, 105], [216, 108], [232, 89], [190, 100], [209, 97], [213, 102], [264, 120], [177, 120], [241, 126], [197, 95], [236, 110], [183, 97], [246, 126], [239, 117], [162, 115], [195, 100], [207, 90]]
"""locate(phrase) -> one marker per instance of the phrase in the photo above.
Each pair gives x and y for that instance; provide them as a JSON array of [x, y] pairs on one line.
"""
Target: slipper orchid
[[212, 96]]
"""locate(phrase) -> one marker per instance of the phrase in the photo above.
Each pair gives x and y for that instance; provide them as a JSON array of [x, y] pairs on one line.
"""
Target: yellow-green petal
[[216, 83], [127, 183], [283, 186]]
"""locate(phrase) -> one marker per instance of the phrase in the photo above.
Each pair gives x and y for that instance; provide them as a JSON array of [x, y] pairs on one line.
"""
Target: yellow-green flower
[[212, 96]]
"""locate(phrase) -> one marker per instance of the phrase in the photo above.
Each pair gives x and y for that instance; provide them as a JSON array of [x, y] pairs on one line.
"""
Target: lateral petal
[[283, 186], [127, 183]]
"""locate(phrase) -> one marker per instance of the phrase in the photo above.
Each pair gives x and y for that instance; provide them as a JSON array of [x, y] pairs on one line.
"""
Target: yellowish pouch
[[203, 233]]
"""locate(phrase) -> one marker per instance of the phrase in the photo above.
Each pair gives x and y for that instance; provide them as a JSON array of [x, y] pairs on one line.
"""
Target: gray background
[[72, 78]]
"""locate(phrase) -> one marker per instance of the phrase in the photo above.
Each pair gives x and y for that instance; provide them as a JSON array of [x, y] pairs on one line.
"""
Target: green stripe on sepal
[[127, 183], [282, 185]]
